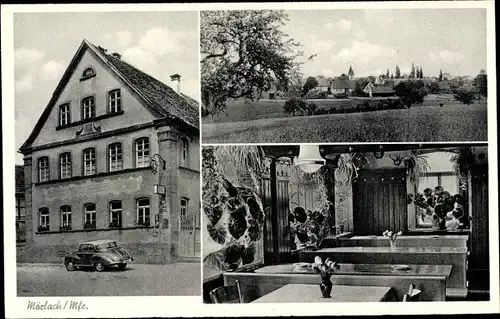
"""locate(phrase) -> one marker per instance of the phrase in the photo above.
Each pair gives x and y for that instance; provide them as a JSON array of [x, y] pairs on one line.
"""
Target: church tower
[[350, 73]]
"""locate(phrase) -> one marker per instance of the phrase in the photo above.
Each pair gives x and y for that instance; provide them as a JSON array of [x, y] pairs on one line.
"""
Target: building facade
[[20, 206], [115, 155]]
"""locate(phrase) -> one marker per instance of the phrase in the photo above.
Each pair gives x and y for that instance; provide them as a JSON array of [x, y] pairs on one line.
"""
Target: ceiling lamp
[[309, 159]]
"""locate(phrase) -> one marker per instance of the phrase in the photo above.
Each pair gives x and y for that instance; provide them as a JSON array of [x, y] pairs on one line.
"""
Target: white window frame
[[114, 101], [64, 114], [89, 162], [115, 157], [66, 216], [184, 208], [92, 72], [143, 211], [44, 219], [90, 215], [88, 107], [20, 207], [117, 211], [142, 151], [65, 168], [43, 169]]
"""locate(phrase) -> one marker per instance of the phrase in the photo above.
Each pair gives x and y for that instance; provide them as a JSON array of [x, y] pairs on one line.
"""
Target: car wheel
[[70, 266], [122, 266], [98, 266]]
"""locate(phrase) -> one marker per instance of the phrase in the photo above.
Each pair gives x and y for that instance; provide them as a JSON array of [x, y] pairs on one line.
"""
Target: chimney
[[117, 55], [176, 80], [103, 50]]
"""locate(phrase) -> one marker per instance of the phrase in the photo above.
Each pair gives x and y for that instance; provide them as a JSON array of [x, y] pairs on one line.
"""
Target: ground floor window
[[143, 211], [65, 218], [44, 222], [115, 214], [90, 216]]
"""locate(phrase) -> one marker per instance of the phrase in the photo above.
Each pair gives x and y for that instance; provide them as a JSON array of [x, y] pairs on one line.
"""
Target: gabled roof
[[19, 179], [343, 83], [382, 89], [322, 81], [161, 100]]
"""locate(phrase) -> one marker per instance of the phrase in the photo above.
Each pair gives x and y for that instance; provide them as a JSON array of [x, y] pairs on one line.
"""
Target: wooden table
[[311, 293], [455, 256], [366, 269], [405, 241]]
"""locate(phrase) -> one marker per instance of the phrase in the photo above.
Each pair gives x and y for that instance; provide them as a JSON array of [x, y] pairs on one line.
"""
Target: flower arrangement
[[392, 236], [326, 268]]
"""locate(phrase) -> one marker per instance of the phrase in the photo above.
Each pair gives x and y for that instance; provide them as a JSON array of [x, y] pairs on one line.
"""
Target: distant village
[[347, 84]]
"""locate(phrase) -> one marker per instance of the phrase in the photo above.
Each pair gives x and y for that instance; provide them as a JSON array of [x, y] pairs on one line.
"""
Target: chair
[[227, 294], [413, 294]]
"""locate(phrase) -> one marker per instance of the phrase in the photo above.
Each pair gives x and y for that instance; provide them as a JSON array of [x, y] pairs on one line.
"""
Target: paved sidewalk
[[179, 279]]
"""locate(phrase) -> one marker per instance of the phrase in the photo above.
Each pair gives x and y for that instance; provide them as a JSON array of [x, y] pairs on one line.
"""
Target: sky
[[159, 43], [453, 40]]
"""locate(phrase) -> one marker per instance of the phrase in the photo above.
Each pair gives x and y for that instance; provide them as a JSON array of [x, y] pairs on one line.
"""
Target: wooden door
[[379, 201]]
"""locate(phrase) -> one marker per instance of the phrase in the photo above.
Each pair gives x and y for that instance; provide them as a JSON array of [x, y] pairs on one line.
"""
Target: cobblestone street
[[180, 279]]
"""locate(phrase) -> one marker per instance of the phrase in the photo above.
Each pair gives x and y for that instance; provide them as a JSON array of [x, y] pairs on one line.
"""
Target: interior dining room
[[345, 223]]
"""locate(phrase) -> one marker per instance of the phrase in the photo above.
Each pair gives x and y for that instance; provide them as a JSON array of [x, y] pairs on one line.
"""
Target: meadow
[[428, 122]]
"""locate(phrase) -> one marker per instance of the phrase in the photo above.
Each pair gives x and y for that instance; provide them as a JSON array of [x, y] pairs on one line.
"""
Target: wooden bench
[[256, 285], [405, 241]]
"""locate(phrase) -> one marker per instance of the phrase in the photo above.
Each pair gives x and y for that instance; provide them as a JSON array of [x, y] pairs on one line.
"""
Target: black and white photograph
[[107, 170], [319, 76], [345, 223]]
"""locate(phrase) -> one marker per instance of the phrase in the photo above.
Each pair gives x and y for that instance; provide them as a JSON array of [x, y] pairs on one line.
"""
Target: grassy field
[[452, 122], [241, 110]]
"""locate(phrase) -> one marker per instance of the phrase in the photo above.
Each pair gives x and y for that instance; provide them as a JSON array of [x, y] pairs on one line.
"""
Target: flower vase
[[393, 244], [326, 286]]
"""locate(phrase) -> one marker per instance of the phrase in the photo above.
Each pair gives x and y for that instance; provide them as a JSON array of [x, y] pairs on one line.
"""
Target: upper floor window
[[43, 221], [115, 214], [64, 114], [184, 156], [65, 165], [115, 157], [143, 211], [89, 166], [43, 169], [65, 217], [90, 216], [88, 107], [88, 72], [20, 207], [142, 152], [114, 101], [184, 206]]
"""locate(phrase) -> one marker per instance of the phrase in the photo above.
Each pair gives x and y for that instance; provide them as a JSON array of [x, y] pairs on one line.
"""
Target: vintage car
[[98, 254]]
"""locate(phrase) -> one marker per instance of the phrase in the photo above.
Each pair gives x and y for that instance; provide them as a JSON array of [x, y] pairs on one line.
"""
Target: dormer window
[[88, 108]]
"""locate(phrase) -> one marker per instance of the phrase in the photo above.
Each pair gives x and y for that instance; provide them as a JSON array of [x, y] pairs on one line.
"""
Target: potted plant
[[43, 228], [89, 225], [393, 236], [326, 269]]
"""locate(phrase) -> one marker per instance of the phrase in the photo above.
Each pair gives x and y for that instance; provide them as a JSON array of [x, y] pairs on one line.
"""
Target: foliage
[[433, 88], [462, 160], [440, 75], [243, 53], [481, 84], [323, 95], [416, 165], [398, 72], [411, 92], [310, 84], [311, 107], [465, 96], [294, 105]]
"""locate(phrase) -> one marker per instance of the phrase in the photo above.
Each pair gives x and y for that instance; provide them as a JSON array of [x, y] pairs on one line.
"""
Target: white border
[[193, 306]]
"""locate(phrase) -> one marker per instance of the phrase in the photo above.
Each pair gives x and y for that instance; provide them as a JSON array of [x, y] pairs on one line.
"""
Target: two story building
[[115, 155]]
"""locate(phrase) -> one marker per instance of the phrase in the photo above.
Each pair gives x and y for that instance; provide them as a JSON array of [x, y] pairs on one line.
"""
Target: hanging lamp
[[309, 159]]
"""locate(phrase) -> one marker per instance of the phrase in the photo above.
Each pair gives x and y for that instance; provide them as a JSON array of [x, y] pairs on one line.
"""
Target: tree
[[411, 92], [433, 88], [421, 73], [392, 76], [398, 72], [465, 96], [360, 85], [387, 74], [412, 73], [440, 75], [310, 84], [242, 53], [481, 83]]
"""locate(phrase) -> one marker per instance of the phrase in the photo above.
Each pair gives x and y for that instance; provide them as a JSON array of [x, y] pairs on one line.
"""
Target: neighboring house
[[115, 154], [446, 76], [378, 90], [20, 205], [444, 87], [323, 84]]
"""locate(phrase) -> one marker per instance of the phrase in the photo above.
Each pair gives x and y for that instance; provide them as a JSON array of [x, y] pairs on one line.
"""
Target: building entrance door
[[188, 236]]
